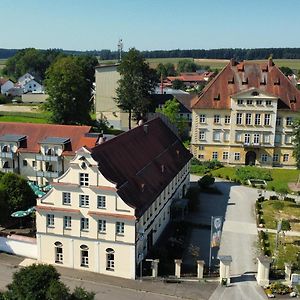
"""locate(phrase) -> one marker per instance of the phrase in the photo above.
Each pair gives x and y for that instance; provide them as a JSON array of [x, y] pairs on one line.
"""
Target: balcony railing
[[41, 157], [48, 174], [253, 145], [7, 154]]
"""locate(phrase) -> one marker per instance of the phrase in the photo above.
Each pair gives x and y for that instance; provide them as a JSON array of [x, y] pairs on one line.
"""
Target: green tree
[[296, 141], [186, 65], [134, 87], [161, 71], [178, 85], [68, 83], [81, 294], [57, 291], [15, 194], [171, 109], [286, 71]]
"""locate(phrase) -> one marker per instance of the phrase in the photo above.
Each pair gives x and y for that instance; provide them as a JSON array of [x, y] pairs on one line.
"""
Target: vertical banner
[[216, 231]]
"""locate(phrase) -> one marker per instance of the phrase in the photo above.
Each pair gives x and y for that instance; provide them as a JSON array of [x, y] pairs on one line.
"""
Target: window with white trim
[[247, 138], [267, 119], [58, 252], [269, 102], [266, 138], [217, 119], [67, 222], [50, 220], [120, 228], [238, 137], [66, 198], [239, 118], [102, 226], [278, 121], [258, 102], [84, 179], [84, 224], [84, 200], [226, 135], [240, 101], [84, 253], [215, 155], [264, 157], [257, 119], [256, 138], [249, 102], [110, 259], [227, 119], [288, 139], [248, 118], [289, 121], [202, 119], [285, 157], [101, 201], [201, 135], [225, 155], [237, 156]]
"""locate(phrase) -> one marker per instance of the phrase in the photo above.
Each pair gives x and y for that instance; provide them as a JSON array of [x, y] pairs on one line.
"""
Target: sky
[[149, 24]]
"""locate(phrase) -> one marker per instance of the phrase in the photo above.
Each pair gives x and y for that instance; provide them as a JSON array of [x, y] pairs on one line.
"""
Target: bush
[[205, 166], [274, 197], [248, 172], [278, 205], [285, 225], [289, 199], [206, 181]]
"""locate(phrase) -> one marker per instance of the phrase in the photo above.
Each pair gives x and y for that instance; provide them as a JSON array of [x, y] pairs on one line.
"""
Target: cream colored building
[[41, 152], [106, 108], [245, 115], [109, 208]]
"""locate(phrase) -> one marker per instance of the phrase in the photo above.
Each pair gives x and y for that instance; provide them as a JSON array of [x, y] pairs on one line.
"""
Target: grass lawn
[[274, 210], [281, 177], [288, 248], [24, 117]]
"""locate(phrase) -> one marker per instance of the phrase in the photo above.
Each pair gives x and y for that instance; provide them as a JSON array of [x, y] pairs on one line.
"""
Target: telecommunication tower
[[120, 48]]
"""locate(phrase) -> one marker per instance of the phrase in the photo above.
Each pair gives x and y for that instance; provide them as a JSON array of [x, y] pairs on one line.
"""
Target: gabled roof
[[142, 162], [37, 133], [237, 77]]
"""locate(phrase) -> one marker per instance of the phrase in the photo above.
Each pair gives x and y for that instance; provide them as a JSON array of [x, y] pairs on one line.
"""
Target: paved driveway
[[239, 237]]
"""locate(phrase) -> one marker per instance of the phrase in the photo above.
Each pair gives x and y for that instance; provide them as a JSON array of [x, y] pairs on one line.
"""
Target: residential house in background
[[190, 79], [25, 78], [109, 208], [244, 116], [5, 84], [32, 86], [41, 152]]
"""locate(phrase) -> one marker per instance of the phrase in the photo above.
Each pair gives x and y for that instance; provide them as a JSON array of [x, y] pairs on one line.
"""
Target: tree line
[[225, 53]]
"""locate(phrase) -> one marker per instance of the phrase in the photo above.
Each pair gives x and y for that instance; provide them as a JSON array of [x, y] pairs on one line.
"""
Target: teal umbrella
[[47, 188], [20, 214], [30, 210]]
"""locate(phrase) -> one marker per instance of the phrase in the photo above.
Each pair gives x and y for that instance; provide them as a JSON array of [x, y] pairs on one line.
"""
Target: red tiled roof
[[194, 76], [38, 132], [238, 77], [134, 161]]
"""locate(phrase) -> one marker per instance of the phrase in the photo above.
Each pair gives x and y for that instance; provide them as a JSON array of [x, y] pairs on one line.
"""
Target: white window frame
[[240, 102], [268, 102], [278, 121], [50, 220], [215, 155], [264, 158], [226, 135], [216, 135], [110, 259], [278, 138], [84, 256], [67, 222], [202, 119], [227, 119], [102, 226], [289, 121], [237, 156], [267, 120], [225, 155], [101, 201], [84, 179], [248, 120], [120, 228], [267, 138], [256, 138], [249, 102], [59, 258], [84, 224], [217, 119], [259, 102], [239, 118], [202, 135], [276, 157], [286, 157], [247, 138], [257, 120], [66, 198], [84, 200]]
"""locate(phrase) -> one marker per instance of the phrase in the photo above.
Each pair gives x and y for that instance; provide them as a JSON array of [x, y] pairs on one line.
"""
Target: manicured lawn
[[281, 177], [274, 210], [288, 248]]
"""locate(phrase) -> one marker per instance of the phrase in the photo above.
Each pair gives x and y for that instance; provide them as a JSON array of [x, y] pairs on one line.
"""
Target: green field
[[281, 177], [25, 117]]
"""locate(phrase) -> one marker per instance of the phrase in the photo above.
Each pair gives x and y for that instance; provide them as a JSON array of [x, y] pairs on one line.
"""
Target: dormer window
[[277, 82], [263, 82], [231, 80], [245, 81], [218, 97]]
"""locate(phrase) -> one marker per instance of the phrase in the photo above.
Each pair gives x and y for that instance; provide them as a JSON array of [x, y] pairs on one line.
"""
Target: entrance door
[[250, 158]]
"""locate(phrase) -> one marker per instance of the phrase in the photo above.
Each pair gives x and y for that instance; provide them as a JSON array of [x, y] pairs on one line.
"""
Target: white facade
[[6, 86], [25, 78], [83, 223], [33, 86]]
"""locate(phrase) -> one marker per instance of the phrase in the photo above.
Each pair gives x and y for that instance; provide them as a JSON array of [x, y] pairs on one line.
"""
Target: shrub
[[289, 199], [273, 197], [227, 177], [206, 181], [285, 225], [248, 172]]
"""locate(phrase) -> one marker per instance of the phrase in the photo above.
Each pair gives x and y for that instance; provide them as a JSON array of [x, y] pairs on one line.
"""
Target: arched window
[[58, 252], [84, 256], [110, 259], [5, 148]]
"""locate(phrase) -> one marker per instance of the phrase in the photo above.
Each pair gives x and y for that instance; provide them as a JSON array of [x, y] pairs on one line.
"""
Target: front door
[[250, 158]]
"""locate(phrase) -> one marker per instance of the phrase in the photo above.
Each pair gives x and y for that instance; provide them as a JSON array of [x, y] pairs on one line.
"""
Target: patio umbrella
[[30, 210], [19, 214]]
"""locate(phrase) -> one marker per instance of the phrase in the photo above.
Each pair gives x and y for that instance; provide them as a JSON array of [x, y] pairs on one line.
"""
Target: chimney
[[232, 62], [101, 139], [270, 62], [146, 128]]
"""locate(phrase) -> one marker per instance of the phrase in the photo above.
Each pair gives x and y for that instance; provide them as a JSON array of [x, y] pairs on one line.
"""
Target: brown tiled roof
[[192, 76], [142, 162], [111, 215], [58, 209], [238, 77], [38, 132]]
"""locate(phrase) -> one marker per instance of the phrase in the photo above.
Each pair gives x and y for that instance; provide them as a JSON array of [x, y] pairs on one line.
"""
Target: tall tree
[[296, 140], [69, 82], [136, 83]]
